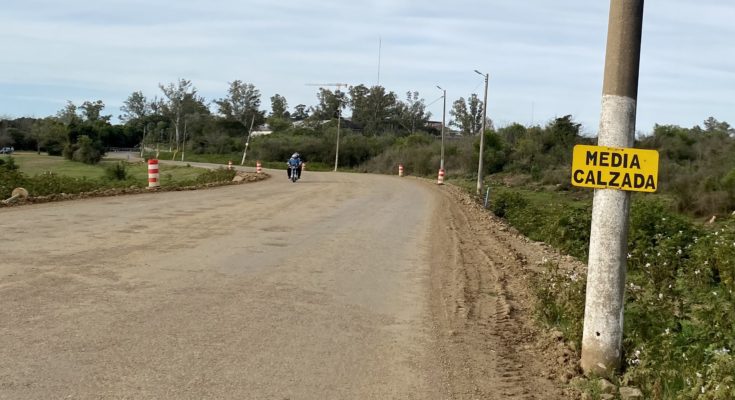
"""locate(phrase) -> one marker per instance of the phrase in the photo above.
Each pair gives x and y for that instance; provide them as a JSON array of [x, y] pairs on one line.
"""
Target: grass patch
[[32, 164], [45, 175]]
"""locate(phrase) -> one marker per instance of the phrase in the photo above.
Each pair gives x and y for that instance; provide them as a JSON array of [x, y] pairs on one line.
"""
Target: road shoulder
[[482, 303]]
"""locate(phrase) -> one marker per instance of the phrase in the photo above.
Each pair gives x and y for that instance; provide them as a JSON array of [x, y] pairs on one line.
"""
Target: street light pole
[[482, 135], [444, 114], [336, 154]]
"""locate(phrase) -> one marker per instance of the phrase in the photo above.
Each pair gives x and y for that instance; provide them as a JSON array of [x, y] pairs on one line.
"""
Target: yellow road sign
[[615, 168]]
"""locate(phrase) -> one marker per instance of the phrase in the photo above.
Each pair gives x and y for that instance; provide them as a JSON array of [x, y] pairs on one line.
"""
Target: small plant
[[8, 164], [506, 202], [560, 299], [10, 177], [117, 171]]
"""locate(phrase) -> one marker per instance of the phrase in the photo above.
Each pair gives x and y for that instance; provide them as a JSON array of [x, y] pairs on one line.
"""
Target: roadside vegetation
[[49, 175], [680, 309]]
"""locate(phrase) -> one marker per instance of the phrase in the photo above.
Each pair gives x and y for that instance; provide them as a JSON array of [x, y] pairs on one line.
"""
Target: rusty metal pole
[[603, 318]]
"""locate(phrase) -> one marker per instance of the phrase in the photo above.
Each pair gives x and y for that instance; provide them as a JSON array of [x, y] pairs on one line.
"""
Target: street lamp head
[[439, 87]]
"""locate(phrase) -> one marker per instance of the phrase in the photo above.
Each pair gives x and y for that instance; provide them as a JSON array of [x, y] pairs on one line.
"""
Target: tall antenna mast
[[380, 46]]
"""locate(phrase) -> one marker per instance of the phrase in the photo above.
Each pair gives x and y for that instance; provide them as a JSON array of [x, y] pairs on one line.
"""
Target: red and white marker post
[[153, 182], [440, 179], [400, 169], [258, 168], [229, 165]]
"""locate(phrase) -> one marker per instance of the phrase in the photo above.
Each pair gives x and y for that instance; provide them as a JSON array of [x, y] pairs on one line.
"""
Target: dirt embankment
[[483, 307]]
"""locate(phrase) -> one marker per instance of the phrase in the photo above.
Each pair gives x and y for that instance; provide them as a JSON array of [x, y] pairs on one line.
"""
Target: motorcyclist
[[294, 164]]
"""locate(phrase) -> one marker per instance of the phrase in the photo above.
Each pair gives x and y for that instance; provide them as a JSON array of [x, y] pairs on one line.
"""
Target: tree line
[[179, 118]]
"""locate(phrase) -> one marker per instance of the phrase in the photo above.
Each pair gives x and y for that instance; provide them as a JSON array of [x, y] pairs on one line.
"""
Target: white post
[[247, 141]]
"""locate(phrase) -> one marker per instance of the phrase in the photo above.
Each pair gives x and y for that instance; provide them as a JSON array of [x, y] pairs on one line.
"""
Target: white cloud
[[545, 58]]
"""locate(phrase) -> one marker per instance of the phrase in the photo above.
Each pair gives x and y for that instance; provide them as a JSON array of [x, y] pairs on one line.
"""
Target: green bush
[[50, 183], [8, 164], [10, 177], [506, 202], [84, 150], [117, 171], [216, 175]]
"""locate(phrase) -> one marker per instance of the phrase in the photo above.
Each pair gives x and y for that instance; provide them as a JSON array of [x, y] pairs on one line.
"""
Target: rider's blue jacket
[[294, 162]]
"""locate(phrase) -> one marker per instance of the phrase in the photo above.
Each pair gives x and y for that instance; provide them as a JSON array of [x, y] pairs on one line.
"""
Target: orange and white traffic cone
[[153, 182], [440, 180], [258, 168], [400, 169]]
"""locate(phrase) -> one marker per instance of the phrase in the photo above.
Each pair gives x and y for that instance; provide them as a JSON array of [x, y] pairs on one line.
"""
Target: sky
[[545, 58]]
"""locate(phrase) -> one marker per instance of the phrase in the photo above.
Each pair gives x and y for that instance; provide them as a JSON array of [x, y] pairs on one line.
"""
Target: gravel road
[[339, 286]]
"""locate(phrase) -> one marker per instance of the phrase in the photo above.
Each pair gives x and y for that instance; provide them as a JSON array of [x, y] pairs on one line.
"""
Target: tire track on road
[[483, 307]]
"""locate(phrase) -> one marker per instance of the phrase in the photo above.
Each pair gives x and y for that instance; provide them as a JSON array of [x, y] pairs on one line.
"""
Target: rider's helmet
[[295, 155]]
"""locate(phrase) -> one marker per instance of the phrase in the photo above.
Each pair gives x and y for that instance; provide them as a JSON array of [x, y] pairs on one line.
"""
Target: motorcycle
[[293, 173]]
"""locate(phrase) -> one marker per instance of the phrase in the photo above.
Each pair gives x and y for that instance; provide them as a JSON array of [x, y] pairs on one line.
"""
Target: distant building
[[261, 130], [434, 125]]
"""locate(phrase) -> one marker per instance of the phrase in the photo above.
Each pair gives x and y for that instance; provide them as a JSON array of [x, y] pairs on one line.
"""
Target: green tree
[[5, 138], [713, 125], [279, 119], [467, 115], [372, 109], [174, 105], [330, 104], [412, 114], [51, 135], [92, 111], [279, 107], [135, 108], [300, 113], [242, 104], [68, 114]]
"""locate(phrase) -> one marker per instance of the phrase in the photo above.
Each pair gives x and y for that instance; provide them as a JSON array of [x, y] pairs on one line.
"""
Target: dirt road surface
[[339, 286]]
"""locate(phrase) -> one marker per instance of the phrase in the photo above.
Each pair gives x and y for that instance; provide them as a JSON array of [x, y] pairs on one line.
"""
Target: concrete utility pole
[[482, 135], [444, 114], [247, 141], [603, 317], [339, 118]]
